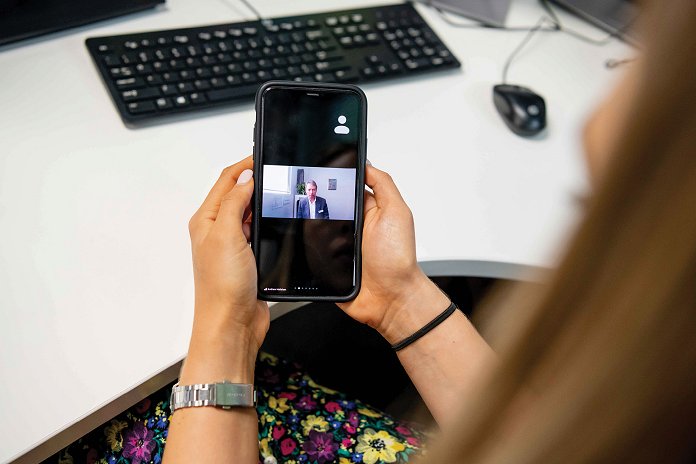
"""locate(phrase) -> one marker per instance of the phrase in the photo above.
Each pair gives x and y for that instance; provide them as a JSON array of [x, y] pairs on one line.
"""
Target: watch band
[[224, 395]]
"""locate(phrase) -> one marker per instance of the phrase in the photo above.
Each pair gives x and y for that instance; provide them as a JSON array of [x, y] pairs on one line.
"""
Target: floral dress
[[300, 422]]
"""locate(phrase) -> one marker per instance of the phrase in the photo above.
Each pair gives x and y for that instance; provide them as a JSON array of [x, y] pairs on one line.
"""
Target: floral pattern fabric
[[300, 422]]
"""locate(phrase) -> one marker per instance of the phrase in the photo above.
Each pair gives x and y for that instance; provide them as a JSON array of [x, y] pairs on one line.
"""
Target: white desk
[[96, 291]]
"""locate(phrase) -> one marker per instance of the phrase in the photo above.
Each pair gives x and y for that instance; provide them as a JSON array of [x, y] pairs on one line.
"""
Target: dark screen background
[[308, 256]]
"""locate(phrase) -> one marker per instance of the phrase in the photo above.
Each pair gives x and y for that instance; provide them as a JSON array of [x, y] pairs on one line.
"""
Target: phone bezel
[[359, 180]]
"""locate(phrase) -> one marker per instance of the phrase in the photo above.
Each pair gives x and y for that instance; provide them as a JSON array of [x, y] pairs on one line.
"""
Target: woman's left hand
[[224, 266]]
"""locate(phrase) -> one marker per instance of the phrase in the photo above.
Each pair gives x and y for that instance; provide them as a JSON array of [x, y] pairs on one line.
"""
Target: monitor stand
[[489, 12]]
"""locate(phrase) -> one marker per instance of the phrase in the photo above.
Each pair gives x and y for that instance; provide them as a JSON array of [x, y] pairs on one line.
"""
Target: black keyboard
[[155, 74]]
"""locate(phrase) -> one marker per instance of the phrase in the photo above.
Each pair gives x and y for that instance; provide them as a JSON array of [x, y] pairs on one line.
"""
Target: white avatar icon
[[341, 129]]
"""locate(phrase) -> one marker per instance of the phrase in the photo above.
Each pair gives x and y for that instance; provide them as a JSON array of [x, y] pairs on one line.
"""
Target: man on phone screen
[[312, 207]]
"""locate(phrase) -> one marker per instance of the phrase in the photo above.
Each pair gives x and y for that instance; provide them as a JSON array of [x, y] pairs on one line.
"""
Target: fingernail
[[369, 163], [245, 176]]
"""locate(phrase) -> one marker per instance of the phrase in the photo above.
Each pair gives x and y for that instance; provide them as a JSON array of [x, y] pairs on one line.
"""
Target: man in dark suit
[[312, 207]]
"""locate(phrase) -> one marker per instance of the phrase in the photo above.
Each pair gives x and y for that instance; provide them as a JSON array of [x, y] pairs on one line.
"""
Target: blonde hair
[[600, 364]]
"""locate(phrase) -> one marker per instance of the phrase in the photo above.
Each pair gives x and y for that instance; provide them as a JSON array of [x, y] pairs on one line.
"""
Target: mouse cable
[[253, 10], [248, 5], [521, 45]]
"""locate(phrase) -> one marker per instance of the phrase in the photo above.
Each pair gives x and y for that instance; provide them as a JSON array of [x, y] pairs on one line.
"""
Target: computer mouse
[[523, 110]]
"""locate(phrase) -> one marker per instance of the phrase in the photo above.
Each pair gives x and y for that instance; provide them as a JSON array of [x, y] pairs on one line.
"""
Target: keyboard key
[[129, 58], [170, 77], [418, 63], [209, 60], [197, 98], [323, 55], [181, 100], [217, 82], [112, 60], [123, 71], [229, 93], [346, 76], [328, 66], [163, 103], [143, 68], [203, 72], [248, 77], [185, 87], [233, 79], [153, 79], [141, 107], [130, 83], [315, 35], [168, 89], [279, 73], [201, 84], [324, 77]]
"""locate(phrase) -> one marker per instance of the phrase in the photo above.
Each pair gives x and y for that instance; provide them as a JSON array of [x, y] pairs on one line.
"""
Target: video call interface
[[307, 224]]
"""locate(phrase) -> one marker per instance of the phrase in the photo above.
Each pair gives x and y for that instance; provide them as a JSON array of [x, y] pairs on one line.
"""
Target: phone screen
[[310, 156]]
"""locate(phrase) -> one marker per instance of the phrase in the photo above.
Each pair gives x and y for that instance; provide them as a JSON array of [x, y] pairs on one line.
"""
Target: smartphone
[[309, 178]]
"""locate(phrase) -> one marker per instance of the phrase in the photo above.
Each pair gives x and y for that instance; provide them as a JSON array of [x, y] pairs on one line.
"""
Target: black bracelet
[[426, 328]]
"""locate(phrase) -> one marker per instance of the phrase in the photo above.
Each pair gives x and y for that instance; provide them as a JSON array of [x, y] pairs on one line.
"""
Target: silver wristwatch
[[223, 395]]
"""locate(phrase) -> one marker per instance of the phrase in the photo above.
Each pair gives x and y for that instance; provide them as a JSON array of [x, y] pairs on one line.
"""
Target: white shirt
[[312, 209]]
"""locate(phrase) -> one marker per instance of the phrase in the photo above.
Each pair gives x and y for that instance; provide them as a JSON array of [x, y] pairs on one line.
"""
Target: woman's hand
[[227, 312], [396, 297]]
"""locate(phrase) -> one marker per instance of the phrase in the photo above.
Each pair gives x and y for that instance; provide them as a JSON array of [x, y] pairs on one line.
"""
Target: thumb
[[235, 203]]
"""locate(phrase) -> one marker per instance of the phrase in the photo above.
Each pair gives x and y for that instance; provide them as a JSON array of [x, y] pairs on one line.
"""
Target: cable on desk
[[253, 10], [248, 5], [521, 45]]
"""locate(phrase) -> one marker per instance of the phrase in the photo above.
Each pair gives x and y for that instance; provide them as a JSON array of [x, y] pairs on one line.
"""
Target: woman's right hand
[[396, 297]]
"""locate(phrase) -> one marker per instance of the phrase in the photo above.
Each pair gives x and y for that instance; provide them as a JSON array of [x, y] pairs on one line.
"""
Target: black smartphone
[[309, 174]]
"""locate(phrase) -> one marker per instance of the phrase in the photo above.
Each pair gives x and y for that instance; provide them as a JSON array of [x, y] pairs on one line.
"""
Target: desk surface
[[96, 289]]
